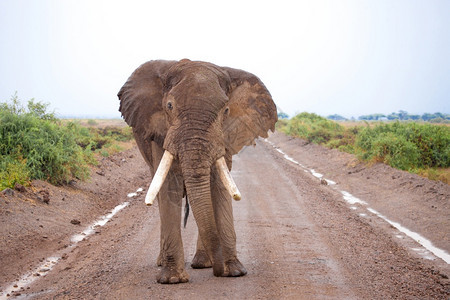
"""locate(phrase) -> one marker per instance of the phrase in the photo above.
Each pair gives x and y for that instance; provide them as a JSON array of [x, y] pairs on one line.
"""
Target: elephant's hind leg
[[201, 259]]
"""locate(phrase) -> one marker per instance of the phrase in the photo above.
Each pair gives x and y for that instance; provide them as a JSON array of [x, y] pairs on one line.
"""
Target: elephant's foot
[[170, 275], [201, 260], [234, 268]]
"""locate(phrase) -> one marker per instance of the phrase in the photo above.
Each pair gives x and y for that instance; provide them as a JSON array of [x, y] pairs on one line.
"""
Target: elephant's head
[[199, 113]]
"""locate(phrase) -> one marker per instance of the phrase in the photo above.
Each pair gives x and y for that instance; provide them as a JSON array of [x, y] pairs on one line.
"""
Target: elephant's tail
[[186, 212]]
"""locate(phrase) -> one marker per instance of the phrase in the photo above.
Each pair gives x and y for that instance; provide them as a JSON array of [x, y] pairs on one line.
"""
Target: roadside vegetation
[[420, 148], [34, 144]]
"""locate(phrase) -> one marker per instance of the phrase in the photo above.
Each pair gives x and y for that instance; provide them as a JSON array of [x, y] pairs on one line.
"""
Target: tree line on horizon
[[401, 115]]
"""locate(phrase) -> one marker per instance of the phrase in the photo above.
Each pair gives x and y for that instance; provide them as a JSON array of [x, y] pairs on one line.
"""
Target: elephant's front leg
[[171, 257], [223, 213]]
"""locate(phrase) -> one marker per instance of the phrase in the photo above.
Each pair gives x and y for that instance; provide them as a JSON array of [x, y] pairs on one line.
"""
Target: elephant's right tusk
[[158, 179], [226, 178]]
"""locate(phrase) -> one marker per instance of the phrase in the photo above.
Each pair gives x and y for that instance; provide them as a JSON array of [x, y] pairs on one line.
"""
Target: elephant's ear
[[252, 111], [141, 100]]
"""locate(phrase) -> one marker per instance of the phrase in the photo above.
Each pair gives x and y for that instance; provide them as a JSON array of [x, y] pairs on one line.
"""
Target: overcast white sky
[[346, 57]]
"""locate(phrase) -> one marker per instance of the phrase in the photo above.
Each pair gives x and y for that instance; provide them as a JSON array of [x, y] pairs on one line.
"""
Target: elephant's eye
[[226, 111], [169, 105]]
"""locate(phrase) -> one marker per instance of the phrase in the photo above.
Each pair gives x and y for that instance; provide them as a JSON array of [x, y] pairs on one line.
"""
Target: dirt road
[[298, 237]]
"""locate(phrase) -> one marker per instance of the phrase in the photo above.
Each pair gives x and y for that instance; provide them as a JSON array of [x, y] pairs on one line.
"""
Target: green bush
[[97, 138], [406, 145], [12, 170], [34, 144], [395, 151], [314, 128], [319, 130], [411, 146], [50, 150], [92, 122], [281, 124]]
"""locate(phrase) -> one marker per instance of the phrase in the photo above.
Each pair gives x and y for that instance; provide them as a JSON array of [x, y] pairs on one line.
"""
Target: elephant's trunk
[[197, 176]]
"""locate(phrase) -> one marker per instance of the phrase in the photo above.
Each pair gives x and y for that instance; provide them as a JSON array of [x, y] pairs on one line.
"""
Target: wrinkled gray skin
[[198, 112]]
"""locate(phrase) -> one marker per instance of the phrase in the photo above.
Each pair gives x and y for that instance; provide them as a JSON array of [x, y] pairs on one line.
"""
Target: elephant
[[188, 119]]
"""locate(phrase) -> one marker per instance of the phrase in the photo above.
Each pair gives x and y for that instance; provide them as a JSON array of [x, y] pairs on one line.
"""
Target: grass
[[420, 148], [36, 145]]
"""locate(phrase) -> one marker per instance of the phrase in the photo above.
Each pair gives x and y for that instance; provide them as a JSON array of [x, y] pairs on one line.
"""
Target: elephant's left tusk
[[226, 178], [159, 177]]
